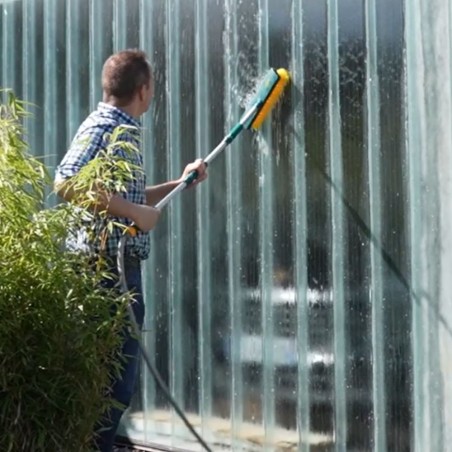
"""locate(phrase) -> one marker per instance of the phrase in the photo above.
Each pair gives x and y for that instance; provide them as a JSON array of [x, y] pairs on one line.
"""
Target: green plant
[[59, 340]]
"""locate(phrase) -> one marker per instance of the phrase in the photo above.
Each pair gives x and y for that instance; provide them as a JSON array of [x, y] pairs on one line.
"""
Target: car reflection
[[286, 360]]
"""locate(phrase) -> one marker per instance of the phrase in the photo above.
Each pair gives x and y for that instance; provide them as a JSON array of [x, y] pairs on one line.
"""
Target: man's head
[[127, 81]]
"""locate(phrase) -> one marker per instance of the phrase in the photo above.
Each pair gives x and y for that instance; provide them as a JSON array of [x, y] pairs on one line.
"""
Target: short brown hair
[[125, 72]]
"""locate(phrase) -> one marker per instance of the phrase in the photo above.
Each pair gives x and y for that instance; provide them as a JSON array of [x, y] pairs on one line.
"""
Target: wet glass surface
[[279, 306]]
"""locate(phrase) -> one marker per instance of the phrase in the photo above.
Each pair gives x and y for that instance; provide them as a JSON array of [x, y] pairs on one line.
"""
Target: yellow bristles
[[272, 98]]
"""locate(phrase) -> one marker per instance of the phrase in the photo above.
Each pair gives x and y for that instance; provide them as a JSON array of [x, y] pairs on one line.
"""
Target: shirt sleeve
[[83, 148], [128, 145]]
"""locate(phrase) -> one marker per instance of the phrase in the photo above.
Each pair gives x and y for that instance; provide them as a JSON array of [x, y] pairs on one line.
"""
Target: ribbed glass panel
[[51, 80], [337, 219], [233, 329], [100, 46], [298, 256], [30, 55], [266, 249], [10, 40], [375, 208], [429, 138], [204, 223], [147, 404], [417, 139], [175, 264], [300, 299]]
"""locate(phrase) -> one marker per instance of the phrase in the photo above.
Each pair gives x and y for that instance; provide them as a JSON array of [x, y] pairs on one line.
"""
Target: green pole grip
[[191, 177], [234, 132]]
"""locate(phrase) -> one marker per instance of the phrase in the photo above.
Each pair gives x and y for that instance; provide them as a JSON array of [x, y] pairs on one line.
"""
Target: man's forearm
[[157, 192], [143, 216], [114, 205]]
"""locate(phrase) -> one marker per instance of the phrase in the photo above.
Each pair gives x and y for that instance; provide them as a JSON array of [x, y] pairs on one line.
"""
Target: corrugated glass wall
[[301, 298]]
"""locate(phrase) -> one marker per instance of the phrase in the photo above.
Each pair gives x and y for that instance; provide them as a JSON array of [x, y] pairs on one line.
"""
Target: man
[[127, 84]]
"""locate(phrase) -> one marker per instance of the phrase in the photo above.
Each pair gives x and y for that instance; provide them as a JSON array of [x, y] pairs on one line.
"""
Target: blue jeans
[[123, 387]]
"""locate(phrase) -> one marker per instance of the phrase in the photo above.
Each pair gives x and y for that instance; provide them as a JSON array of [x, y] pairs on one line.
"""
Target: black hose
[[162, 384], [147, 360]]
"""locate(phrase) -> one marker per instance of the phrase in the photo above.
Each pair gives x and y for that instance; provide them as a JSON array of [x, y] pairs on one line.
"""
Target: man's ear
[[144, 92], [141, 94]]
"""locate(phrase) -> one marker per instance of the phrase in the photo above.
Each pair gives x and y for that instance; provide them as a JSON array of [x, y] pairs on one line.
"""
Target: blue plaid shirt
[[91, 137]]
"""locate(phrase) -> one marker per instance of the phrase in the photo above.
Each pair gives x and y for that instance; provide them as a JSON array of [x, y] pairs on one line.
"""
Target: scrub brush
[[268, 93]]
